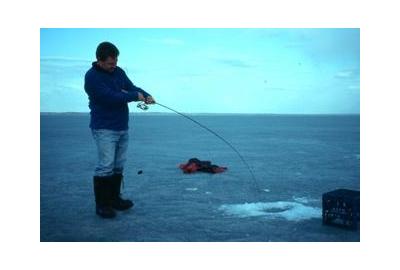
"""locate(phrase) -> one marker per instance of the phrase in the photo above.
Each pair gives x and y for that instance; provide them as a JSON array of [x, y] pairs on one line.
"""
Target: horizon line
[[213, 113]]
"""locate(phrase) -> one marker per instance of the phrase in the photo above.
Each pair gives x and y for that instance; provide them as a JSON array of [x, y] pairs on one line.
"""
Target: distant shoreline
[[206, 114]]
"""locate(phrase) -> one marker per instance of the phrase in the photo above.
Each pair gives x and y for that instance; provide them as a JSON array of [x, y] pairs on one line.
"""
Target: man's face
[[109, 64]]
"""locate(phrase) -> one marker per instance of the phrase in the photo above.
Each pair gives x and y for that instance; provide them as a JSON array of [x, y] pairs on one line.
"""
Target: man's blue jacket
[[109, 94]]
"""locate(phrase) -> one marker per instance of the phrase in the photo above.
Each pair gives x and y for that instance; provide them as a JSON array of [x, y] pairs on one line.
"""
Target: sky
[[211, 70]]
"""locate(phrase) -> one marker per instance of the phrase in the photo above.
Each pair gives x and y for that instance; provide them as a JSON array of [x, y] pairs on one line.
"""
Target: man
[[110, 90]]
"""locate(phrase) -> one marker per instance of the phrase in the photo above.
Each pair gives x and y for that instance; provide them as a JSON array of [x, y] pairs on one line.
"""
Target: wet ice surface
[[295, 160], [291, 211]]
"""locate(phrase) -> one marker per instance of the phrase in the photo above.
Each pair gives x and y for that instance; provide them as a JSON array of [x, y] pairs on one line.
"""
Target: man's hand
[[150, 100]]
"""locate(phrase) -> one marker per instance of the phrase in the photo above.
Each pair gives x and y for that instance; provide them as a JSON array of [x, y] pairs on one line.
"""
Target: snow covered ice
[[295, 159]]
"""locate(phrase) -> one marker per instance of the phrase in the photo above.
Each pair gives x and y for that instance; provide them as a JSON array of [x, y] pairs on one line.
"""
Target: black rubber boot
[[117, 202], [103, 195]]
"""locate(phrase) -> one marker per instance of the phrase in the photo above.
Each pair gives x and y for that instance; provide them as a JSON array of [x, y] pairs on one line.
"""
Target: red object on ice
[[194, 165]]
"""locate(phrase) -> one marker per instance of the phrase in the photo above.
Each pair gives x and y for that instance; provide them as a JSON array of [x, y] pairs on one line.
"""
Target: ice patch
[[300, 199], [266, 190], [304, 200], [292, 211], [191, 189]]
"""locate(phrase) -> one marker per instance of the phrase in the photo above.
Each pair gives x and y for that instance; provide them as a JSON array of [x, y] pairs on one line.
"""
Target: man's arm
[[143, 95], [100, 92], [133, 88]]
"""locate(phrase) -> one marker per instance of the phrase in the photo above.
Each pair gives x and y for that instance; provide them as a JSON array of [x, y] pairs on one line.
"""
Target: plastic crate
[[341, 207]]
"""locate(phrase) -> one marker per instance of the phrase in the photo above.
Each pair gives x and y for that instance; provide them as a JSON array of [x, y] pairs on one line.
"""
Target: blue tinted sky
[[212, 70]]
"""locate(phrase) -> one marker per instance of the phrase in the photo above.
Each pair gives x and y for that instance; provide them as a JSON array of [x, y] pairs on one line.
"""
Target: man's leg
[[106, 142], [120, 159], [121, 151]]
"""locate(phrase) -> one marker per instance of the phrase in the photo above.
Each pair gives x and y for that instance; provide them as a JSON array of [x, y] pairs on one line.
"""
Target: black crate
[[341, 207]]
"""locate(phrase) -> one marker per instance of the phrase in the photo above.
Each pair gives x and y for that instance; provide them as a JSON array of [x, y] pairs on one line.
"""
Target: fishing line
[[143, 106]]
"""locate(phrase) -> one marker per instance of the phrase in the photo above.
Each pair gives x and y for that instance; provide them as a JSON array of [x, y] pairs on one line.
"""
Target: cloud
[[343, 74], [320, 45], [192, 74], [62, 77], [237, 63], [348, 79], [279, 89], [353, 87], [64, 59], [172, 41], [63, 66], [349, 73], [165, 41]]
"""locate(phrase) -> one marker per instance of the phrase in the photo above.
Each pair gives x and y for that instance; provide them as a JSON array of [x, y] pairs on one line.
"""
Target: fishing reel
[[143, 106]]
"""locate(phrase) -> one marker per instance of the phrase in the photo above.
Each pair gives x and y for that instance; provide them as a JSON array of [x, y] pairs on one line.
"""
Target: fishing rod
[[143, 106]]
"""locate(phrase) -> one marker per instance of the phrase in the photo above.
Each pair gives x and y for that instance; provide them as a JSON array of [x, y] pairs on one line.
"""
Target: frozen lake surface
[[295, 159]]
